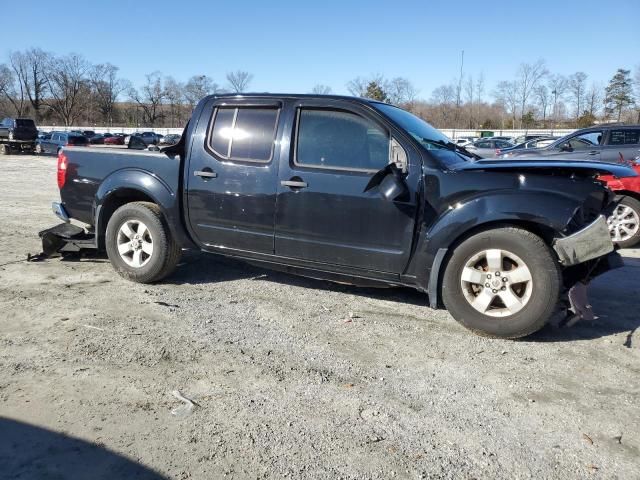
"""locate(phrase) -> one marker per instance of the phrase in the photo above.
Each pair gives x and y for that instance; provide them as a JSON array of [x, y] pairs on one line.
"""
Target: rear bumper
[[592, 242], [60, 211]]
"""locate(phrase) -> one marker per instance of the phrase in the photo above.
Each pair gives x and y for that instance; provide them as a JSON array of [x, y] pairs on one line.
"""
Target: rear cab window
[[244, 133], [25, 123]]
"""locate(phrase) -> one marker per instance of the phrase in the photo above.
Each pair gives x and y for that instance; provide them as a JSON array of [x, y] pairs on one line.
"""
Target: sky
[[290, 46]]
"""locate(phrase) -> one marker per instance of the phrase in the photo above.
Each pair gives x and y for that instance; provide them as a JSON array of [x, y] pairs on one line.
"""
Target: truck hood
[[551, 167]]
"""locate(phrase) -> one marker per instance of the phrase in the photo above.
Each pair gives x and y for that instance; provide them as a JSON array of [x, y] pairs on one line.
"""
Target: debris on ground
[[183, 410]]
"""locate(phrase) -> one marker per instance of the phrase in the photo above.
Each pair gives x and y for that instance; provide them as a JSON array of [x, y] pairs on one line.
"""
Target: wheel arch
[[134, 185], [545, 232]]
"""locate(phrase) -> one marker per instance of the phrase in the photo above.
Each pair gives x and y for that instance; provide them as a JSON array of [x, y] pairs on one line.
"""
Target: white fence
[[163, 131], [451, 133], [455, 133]]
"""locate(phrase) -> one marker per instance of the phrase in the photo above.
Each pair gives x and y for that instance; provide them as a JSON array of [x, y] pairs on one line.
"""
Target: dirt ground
[[292, 377]]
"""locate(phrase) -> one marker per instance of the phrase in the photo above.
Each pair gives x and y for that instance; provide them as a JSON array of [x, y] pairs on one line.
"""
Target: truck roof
[[296, 96]]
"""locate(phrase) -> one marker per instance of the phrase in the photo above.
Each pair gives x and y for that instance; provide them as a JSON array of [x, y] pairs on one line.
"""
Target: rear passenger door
[[622, 144], [323, 213], [231, 180]]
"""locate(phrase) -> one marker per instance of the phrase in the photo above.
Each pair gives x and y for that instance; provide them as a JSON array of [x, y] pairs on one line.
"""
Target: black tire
[[38, 150], [4, 150], [541, 300], [166, 252], [634, 239]]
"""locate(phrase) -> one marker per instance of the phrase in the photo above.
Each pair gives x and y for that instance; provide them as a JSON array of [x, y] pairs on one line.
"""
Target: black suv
[[22, 129]]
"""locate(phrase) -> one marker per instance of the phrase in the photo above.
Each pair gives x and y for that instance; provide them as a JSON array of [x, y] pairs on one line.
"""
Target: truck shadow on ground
[[28, 451], [615, 296], [198, 268]]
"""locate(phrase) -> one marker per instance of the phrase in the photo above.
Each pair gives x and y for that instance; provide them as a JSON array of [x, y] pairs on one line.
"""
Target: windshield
[[438, 144]]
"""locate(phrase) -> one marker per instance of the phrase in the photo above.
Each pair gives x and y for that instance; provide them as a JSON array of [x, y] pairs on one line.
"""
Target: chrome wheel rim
[[496, 283], [623, 223], [135, 244]]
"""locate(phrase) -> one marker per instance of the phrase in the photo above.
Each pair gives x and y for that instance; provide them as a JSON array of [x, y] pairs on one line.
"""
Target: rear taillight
[[62, 169]]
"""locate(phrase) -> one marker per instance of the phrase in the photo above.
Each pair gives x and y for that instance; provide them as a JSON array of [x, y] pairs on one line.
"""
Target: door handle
[[205, 173], [593, 152], [294, 184]]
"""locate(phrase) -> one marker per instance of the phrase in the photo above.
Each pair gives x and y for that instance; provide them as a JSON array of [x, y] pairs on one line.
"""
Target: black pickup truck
[[17, 134], [351, 190]]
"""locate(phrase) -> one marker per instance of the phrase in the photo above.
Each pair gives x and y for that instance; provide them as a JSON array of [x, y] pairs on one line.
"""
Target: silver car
[[607, 143], [488, 147]]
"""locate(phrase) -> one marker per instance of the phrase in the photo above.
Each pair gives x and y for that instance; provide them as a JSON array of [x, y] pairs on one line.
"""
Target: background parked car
[[57, 140], [116, 139], [97, 139], [535, 143], [605, 143], [488, 147], [150, 138], [18, 129], [170, 139]]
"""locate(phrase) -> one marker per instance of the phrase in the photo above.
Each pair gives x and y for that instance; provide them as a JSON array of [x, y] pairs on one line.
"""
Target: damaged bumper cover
[[593, 241]]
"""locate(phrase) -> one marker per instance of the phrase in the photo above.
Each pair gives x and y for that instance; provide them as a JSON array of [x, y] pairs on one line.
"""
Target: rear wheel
[[502, 283], [624, 223], [139, 243]]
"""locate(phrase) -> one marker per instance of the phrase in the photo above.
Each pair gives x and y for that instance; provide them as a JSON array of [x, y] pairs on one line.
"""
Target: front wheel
[[502, 283], [624, 222], [38, 149], [139, 244]]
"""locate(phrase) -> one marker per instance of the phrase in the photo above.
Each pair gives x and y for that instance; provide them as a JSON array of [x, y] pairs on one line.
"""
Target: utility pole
[[458, 98]]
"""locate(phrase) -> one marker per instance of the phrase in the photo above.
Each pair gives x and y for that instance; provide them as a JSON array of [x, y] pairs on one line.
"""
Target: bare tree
[[527, 78], [239, 80], [174, 94], [577, 86], [443, 98], [557, 87], [400, 91], [107, 87], [594, 97], [506, 94], [542, 97], [198, 87], [30, 68], [150, 97], [12, 90], [68, 86], [320, 89]]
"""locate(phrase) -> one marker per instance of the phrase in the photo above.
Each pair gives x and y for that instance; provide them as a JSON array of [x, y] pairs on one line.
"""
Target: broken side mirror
[[390, 183]]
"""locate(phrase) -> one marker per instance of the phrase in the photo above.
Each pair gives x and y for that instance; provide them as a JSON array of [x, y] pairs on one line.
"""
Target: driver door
[[323, 213]]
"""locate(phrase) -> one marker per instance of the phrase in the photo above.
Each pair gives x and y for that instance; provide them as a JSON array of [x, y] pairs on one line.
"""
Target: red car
[[624, 224], [117, 139]]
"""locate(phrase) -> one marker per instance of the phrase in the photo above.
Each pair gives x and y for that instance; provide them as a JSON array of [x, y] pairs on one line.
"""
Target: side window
[[244, 133], [340, 140], [586, 140], [624, 137], [484, 144]]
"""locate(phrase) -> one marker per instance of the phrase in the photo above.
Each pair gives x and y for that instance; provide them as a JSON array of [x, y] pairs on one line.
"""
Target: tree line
[[69, 90]]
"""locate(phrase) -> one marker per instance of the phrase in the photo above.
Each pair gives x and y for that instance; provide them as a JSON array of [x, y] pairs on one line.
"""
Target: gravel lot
[[291, 376]]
